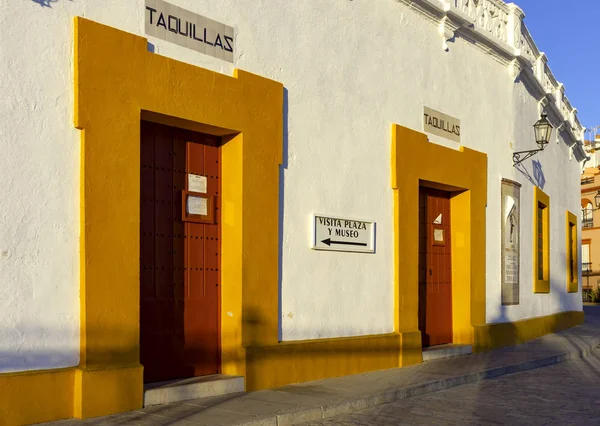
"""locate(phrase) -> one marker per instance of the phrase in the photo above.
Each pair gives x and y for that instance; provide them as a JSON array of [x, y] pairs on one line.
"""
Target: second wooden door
[[435, 272]]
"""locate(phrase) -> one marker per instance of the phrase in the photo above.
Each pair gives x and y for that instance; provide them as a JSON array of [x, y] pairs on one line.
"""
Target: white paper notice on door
[[197, 205], [197, 183]]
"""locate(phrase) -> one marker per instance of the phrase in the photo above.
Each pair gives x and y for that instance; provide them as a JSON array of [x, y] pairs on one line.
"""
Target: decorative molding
[[515, 68], [497, 28], [432, 10], [447, 30], [511, 182], [570, 153], [525, 43]]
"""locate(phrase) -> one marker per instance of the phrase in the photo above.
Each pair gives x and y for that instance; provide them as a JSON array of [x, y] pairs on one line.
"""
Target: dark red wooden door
[[179, 261], [435, 273]]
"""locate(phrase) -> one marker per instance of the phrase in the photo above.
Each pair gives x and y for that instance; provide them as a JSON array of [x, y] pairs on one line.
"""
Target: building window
[[587, 218], [540, 240], [541, 252], [586, 263], [571, 250]]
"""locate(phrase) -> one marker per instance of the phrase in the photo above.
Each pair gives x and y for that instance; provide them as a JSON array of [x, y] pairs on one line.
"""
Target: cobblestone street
[[563, 394]]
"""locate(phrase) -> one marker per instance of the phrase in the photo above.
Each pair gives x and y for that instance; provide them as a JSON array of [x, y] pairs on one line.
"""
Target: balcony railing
[[587, 223], [588, 180], [586, 267]]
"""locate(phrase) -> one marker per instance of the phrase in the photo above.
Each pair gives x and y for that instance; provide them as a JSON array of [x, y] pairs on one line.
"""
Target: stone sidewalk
[[324, 399]]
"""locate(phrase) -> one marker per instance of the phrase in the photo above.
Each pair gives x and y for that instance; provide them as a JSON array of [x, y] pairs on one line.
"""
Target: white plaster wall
[[561, 182], [351, 69], [39, 210], [340, 154]]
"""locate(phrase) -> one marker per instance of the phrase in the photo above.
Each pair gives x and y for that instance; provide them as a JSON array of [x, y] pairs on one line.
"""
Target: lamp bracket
[[527, 154]]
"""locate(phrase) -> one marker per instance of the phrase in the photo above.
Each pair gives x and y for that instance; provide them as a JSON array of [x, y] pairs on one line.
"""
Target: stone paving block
[[394, 380], [213, 401], [257, 407], [207, 415], [293, 398], [129, 418], [312, 390], [345, 407], [301, 416], [174, 411]]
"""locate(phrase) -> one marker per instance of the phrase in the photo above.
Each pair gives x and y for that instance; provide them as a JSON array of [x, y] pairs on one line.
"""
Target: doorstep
[[445, 351], [192, 388]]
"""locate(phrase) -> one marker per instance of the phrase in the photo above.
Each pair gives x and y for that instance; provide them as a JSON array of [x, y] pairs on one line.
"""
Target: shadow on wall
[[538, 179], [46, 3], [282, 168], [511, 333], [39, 360], [538, 174], [253, 324], [476, 407]]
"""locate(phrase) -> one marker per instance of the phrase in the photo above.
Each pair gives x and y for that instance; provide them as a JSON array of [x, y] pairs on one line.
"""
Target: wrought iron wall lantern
[[543, 131]]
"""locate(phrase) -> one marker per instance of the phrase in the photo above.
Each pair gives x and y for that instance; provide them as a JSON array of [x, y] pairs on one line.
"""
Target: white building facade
[[374, 114]]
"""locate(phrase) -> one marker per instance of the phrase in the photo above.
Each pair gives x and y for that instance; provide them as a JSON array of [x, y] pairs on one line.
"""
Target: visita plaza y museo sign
[[337, 234], [176, 25]]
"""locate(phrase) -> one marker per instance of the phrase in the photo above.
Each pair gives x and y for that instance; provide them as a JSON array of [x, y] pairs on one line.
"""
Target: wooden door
[[435, 273], [179, 260]]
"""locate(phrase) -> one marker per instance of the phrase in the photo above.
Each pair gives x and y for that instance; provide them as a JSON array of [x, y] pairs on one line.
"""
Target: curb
[[323, 412]]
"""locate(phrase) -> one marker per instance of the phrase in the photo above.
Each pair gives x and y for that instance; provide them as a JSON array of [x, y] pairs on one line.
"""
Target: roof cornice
[[497, 28]]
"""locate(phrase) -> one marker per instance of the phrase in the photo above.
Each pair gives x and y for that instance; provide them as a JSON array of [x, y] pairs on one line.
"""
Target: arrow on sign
[[329, 243]]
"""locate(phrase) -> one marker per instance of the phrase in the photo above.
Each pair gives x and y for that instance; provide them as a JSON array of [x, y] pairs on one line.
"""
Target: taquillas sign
[[188, 29], [441, 124]]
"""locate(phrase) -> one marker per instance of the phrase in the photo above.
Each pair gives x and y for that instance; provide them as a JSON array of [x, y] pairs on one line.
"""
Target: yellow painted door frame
[[463, 172], [117, 84]]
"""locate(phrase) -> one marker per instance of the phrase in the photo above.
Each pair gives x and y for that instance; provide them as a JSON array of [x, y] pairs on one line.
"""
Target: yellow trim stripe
[[118, 83], [541, 285], [571, 246], [493, 336], [416, 161]]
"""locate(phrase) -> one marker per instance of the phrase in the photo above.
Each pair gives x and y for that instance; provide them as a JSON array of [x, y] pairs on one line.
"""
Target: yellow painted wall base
[[411, 351], [492, 336], [103, 392], [35, 397], [286, 363]]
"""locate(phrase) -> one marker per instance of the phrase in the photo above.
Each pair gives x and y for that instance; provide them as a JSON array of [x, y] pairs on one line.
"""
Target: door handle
[[429, 271]]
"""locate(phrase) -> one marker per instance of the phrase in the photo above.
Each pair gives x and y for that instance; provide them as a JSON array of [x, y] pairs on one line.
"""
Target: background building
[[165, 171], [590, 223]]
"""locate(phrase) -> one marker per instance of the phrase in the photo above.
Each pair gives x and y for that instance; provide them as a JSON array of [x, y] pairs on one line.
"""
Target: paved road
[[563, 394]]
